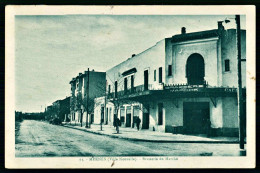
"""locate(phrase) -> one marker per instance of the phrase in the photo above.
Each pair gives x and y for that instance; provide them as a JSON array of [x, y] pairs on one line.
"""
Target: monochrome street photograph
[[126, 86]]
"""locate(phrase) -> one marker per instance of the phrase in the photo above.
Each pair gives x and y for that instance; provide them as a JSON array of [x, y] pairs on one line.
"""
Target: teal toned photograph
[[92, 85]]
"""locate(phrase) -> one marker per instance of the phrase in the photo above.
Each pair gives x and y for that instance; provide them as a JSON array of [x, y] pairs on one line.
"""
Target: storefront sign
[[202, 89]]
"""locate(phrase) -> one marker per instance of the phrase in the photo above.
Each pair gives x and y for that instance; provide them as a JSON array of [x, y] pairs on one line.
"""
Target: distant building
[[79, 102], [48, 113], [31, 115], [60, 109], [183, 84]]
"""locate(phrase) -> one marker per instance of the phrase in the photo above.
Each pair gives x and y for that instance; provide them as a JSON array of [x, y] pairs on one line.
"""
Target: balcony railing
[[172, 88], [185, 85], [142, 88], [134, 90]]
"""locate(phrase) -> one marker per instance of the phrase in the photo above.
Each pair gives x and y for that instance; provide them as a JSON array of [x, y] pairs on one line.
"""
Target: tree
[[86, 104], [79, 103]]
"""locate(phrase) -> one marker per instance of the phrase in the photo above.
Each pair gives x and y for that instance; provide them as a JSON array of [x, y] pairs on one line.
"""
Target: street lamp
[[239, 81]]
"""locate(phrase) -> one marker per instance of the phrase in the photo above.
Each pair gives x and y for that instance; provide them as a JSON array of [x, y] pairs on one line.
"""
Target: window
[[169, 70], [227, 65], [160, 114], [146, 80], [154, 75], [125, 85], [108, 89], [132, 83], [160, 75], [115, 89]]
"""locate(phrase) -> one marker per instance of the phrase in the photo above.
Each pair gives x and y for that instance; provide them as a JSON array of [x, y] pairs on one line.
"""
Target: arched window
[[195, 69]]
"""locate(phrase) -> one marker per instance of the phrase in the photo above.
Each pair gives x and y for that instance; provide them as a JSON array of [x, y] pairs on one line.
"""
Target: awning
[[132, 70]]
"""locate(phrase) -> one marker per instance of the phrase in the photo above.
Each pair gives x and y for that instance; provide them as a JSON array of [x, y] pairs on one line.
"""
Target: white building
[[183, 84]]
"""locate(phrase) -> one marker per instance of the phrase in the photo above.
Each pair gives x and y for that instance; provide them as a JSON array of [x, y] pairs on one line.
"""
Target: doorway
[[196, 117], [195, 69], [146, 122], [106, 114], [102, 114], [128, 116]]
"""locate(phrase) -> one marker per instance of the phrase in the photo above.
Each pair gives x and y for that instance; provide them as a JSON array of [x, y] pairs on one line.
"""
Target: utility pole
[[239, 86], [87, 100], [104, 113]]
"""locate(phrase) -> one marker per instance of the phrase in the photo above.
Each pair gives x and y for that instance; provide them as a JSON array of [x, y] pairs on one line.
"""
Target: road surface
[[40, 139]]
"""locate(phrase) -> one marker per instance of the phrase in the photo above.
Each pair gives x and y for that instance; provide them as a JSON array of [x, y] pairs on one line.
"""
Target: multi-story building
[[183, 84], [91, 82], [60, 109]]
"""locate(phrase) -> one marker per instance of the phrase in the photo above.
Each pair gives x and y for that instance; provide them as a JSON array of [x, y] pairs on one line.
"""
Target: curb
[[148, 140]]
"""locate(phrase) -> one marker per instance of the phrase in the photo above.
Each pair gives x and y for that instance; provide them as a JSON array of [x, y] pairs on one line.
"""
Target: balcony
[[138, 90], [174, 91]]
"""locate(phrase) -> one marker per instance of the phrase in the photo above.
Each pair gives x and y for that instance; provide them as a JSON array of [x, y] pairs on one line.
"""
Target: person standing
[[138, 121], [117, 124]]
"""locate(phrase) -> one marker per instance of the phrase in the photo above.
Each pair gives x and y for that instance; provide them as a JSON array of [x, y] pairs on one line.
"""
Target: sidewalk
[[151, 136]]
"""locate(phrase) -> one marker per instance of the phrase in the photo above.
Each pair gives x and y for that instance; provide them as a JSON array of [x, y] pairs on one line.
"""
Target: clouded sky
[[51, 50]]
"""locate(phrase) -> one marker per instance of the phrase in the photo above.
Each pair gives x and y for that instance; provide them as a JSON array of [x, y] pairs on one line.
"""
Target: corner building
[[96, 81], [185, 84]]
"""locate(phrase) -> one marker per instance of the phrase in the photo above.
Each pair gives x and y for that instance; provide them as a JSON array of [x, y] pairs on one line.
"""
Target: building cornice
[[196, 41]]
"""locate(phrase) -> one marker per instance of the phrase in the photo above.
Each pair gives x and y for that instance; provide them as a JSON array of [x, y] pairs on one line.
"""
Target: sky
[[51, 50]]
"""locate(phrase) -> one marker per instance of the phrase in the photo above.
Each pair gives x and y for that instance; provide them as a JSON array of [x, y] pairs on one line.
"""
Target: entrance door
[[146, 80], [196, 119], [102, 114], [106, 113], [128, 116], [128, 120], [145, 124], [91, 118]]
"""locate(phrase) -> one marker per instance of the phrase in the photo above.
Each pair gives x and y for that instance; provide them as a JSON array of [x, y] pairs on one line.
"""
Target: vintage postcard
[[130, 87]]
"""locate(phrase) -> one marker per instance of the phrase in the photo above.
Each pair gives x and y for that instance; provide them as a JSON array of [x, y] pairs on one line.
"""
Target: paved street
[[40, 139]]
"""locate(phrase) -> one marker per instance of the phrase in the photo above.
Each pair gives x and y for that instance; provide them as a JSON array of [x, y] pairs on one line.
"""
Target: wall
[[110, 114], [150, 59], [99, 102], [153, 125], [97, 85], [229, 52], [230, 119], [181, 51]]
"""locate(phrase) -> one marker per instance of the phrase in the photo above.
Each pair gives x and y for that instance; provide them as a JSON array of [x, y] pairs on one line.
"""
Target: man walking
[[138, 121], [117, 124]]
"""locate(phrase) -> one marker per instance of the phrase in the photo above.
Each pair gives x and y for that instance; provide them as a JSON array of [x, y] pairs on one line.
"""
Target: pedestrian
[[138, 121], [117, 124]]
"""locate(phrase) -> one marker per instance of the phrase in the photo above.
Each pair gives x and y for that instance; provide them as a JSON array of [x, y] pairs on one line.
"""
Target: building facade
[[84, 89], [59, 109], [99, 110], [183, 84]]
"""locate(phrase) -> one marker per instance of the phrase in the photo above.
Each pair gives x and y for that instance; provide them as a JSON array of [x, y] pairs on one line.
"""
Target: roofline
[[84, 74], [136, 55]]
